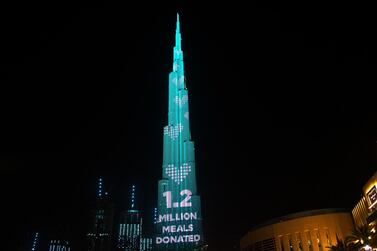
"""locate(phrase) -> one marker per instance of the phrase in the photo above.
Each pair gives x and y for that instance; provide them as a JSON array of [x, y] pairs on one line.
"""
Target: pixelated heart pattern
[[178, 175], [173, 131]]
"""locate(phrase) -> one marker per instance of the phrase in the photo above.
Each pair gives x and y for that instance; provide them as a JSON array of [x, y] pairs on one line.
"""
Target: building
[[313, 230], [59, 245], [365, 211], [130, 231], [146, 244], [130, 227], [101, 222], [179, 221]]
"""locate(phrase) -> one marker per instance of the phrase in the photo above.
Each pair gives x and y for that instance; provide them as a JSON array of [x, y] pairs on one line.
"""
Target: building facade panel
[[360, 212], [365, 211]]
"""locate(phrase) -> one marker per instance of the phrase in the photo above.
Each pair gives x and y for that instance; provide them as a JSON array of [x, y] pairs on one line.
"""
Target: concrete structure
[[365, 211], [306, 231]]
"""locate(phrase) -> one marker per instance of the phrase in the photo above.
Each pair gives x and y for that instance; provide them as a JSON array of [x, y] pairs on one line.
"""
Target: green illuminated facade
[[179, 219]]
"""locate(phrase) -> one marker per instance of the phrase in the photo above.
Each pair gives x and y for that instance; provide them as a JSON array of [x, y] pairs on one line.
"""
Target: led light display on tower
[[179, 219]]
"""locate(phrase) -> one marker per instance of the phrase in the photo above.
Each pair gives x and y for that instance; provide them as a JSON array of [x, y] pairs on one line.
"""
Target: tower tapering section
[[179, 219]]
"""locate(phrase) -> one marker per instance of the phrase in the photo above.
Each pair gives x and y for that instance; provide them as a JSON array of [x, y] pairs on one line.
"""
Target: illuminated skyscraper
[[101, 224], [179, 221], [59, 245], [130, 227], [146, 244]]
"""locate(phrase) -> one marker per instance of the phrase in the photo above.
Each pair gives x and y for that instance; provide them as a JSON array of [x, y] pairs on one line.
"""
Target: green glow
[[179, 219]]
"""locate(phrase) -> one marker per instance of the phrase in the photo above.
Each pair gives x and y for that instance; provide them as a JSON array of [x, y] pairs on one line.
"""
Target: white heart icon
[[173, 131], [178, 175]]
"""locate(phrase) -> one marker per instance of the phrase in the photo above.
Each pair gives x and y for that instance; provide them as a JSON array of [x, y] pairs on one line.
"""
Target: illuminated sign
[[372, 196], [181, 224], [178, 220]]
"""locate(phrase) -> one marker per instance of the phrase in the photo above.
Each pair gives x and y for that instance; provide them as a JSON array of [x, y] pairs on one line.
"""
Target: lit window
[[319, 242], [310, 246], [290, 244], [299, 242]]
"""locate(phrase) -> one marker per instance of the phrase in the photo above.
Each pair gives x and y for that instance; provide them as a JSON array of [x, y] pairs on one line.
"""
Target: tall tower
[[130, 227], [179, 219], [101, 222]]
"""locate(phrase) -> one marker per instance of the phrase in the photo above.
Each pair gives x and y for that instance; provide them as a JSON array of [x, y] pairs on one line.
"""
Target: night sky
[[282, 105]]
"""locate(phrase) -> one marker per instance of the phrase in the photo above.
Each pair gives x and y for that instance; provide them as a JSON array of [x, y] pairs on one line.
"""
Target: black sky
[[282, 104]]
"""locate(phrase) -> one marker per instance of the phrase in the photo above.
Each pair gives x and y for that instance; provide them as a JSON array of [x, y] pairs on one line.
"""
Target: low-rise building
[[313, 230]]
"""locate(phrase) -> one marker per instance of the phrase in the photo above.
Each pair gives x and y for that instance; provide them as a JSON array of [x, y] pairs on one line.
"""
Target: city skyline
[[276, 94]]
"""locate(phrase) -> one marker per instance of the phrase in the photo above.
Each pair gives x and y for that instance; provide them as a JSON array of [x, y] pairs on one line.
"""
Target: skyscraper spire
[[133, 197], [177, 22], [177, 35], [155, 215], [100, 191], [35, 242]]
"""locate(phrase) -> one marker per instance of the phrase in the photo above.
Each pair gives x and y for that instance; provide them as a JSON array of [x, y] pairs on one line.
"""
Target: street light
[[366, 248]]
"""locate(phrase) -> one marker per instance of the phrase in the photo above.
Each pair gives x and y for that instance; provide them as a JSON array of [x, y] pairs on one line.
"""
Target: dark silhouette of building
[[130, 227], [100, 232], [29, 241]]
